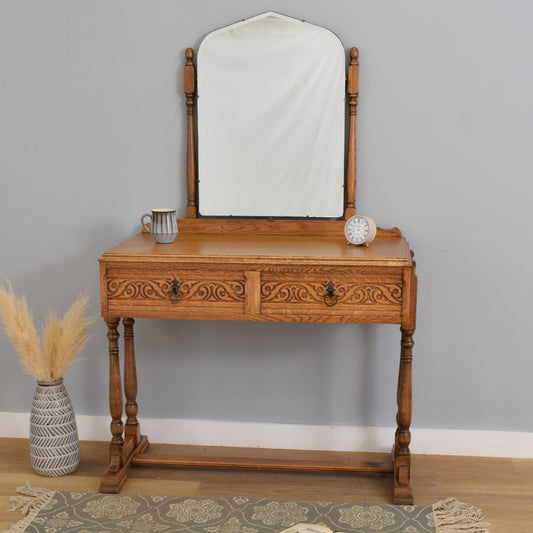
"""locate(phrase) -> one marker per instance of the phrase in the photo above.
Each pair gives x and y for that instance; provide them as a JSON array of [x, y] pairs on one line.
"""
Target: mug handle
[[143, 224]]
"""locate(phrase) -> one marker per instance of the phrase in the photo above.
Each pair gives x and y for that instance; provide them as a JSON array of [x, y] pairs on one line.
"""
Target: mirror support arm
[[190, 94], [353, 93]]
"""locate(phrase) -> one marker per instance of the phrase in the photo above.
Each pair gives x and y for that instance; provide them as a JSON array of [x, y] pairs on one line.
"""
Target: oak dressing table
[[291, 269]]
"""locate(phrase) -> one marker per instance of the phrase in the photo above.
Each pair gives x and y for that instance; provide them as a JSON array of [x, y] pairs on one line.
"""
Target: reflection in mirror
[[271, 106]]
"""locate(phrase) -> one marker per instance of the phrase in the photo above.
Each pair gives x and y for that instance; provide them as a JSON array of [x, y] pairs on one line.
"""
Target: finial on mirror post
[[354, 56]]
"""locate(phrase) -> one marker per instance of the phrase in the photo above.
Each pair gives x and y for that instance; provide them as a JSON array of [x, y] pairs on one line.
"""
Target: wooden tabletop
[[384, 251]]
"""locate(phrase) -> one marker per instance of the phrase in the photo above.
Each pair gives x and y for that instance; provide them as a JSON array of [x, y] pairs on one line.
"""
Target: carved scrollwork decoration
[[377, 294], [177, 291], [228, 291], [286, 292], [342, 293], [135, 289]]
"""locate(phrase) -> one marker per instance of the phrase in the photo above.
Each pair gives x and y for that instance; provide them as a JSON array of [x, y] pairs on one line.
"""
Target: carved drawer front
[[359, 294], [177, 288]]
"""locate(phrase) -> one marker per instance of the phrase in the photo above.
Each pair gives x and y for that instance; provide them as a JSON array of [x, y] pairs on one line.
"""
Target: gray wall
[[92, 135]]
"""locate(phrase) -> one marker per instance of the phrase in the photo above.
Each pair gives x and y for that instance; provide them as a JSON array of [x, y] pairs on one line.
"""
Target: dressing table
[[257, 252]]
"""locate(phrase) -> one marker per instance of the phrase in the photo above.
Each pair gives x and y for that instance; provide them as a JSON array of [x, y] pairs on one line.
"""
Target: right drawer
[[365, 294]]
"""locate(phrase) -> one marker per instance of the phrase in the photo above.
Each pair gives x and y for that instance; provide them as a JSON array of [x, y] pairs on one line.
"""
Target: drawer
[[175, 288], [358, 295]]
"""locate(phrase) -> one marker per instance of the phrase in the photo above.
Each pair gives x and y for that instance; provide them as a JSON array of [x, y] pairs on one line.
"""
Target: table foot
[[403, 495], [403, 491], [114, 478]]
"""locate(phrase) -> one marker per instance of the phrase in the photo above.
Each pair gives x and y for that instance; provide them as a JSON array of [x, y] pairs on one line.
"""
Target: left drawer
[[172, 290]]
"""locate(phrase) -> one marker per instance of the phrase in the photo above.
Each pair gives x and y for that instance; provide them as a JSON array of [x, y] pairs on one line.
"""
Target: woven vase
[[54, 444]]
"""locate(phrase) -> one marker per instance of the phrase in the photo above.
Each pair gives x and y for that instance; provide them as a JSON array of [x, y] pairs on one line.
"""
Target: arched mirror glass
[[271, 110]]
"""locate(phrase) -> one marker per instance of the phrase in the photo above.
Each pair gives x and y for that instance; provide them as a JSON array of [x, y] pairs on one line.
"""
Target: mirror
[[271, 112]]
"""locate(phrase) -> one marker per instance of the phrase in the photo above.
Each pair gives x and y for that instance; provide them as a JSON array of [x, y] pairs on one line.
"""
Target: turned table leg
[[115, 398], [122, 448], [132, 430], [401, 455], [403, 492]]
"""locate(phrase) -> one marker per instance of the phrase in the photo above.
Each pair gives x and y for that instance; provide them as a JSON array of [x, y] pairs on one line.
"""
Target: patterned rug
[[77, 512]]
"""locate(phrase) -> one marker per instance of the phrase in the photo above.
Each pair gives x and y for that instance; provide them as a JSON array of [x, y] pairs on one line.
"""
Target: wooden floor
[[503, 488]]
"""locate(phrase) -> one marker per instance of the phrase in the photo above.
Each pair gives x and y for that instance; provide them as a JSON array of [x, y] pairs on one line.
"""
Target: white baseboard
[[298, 436]]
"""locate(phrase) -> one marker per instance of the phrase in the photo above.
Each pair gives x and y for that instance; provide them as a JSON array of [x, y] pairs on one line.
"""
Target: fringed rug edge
[[29, 501], [453, 516]]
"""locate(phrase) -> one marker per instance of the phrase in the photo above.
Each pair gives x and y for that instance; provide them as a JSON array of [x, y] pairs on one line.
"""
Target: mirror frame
[[352, 92]]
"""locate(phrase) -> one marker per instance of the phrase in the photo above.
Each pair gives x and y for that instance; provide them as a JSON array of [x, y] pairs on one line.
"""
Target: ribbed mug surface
[[164, 226]]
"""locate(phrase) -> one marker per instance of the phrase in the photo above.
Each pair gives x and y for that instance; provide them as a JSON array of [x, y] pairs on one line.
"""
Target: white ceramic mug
[[164, 226]]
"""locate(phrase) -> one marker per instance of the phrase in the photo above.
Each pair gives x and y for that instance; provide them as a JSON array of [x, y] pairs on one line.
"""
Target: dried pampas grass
[[62, 340]]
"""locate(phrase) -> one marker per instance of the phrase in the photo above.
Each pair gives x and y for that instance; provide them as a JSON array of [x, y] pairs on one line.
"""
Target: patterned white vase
[[54, 444]]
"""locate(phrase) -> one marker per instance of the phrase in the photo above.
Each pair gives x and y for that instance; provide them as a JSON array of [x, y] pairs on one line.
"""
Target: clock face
[[357, 230]]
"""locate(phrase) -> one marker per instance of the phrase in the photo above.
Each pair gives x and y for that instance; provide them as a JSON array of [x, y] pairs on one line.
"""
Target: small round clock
[[360, 230]]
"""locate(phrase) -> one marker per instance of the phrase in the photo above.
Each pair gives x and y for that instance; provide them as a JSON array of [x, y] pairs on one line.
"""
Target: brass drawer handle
[[330, 298], [175, 295]]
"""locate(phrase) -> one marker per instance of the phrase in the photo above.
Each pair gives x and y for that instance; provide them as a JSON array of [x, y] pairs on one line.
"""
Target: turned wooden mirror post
[[261, 268], [351, 158], [189, 77]]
